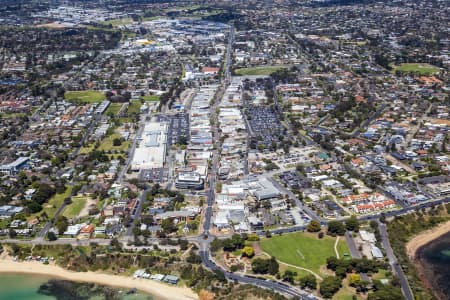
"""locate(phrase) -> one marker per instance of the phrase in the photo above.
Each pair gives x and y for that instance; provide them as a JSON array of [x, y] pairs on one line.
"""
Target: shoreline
[[424, 238], [156, 289], [413, 248]]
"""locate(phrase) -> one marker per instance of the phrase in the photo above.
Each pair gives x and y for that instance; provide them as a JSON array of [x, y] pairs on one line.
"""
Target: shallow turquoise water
[[21, 287], [25, 287], [435, 258]]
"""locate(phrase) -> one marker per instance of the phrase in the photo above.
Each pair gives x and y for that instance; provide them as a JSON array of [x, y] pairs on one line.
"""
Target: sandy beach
[[424, 238], [157, 289]]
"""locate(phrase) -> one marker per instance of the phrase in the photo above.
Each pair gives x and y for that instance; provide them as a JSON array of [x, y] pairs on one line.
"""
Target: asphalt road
[[406, 289], [299, 204], [137, 214], [132, 149], [267, 284]]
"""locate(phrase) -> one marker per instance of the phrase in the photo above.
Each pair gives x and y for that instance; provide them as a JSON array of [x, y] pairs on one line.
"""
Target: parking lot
[[265, 125], [178, 128], [154, 175]]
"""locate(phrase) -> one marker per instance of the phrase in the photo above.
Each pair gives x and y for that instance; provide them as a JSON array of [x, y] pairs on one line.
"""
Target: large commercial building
[[14, 167], [151, 150], [189, 180]]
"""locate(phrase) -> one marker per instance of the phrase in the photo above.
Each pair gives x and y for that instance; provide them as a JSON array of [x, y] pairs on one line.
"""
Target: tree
[[273, 266], [385, 293], [168, 226], [355, 280], [248, 251], [309, 281], [183, 244], [313, 226], [193, 258], [51, 236], [115, 244], [34, 207], [61, 224], [220, 275], [43, 193], [329, 286], [117, 142], [352, 224], [12, 233], [335, 228], [289, 276], [215, 245], [264, 266]]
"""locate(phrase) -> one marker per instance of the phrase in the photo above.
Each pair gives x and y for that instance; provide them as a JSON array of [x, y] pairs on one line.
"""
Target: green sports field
[[417, 68], [303, 249], [266, 70], [84, 96]]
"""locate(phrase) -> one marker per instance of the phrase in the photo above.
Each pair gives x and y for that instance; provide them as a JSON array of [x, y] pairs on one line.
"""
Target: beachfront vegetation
[[402, 229], [113, 259]]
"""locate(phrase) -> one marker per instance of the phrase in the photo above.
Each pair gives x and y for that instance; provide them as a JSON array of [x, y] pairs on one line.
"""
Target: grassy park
[[118, 22], [113, 109], [74, 209], [134, 107], [417, 68], [54, 203], [107, 143], [303, 249], [151, 98], [84, 96], [266, 70]]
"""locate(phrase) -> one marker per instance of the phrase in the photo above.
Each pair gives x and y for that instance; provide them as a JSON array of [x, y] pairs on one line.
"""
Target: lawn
[[54, 203], [302, 249], [84, 96], [134, 107], [87, 148], [113, 109], [12, 115], [267, 70], [107, 143], [346, 292], [151, 98], [73, 210], [118, 22], [4, 223], [417, 68]]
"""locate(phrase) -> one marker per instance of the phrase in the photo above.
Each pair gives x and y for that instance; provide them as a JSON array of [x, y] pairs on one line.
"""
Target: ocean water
[[25, 287], [435, 259]]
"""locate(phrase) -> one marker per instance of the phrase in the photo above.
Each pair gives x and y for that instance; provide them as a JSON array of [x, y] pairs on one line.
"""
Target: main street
[[205, 240]]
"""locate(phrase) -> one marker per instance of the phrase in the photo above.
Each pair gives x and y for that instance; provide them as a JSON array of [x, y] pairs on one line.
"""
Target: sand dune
[[157, 289]]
